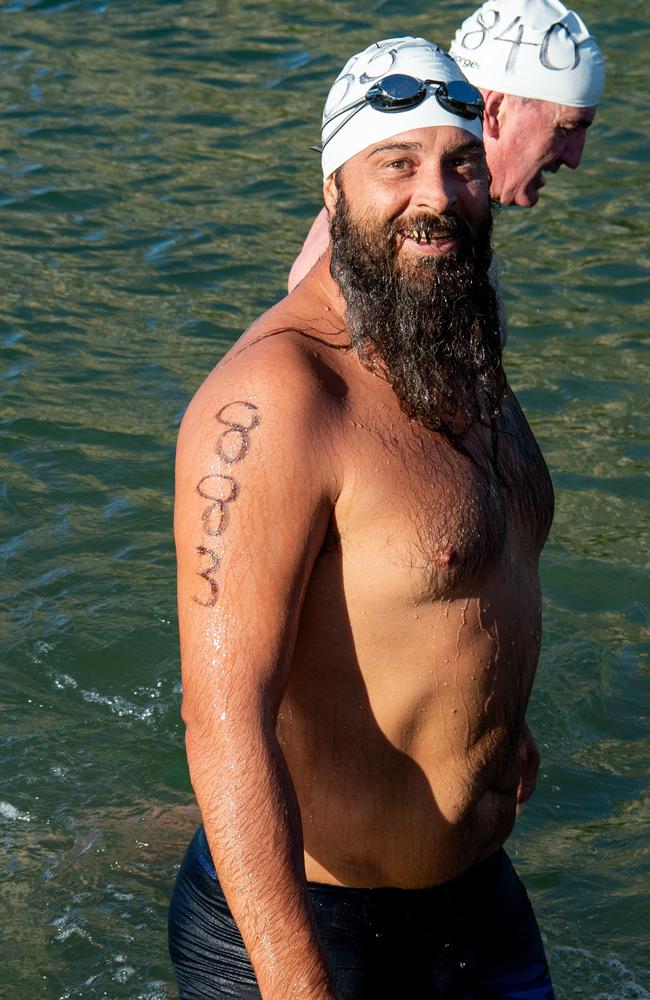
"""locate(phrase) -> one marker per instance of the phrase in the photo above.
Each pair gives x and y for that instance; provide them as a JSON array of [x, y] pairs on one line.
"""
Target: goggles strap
[[353, 108]]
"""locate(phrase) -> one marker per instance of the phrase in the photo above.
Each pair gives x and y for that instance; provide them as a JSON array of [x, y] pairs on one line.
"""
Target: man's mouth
[[552, 168], [427, 234], [431, 239]]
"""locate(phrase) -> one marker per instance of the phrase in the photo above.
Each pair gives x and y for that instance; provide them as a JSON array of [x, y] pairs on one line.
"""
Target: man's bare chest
[[438, 514]]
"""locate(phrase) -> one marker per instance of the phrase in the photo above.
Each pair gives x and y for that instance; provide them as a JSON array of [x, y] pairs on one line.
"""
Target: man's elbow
[[215, 724], [201, 725]]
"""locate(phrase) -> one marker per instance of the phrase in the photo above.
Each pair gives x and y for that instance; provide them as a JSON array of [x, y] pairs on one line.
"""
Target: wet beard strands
[[231, 447]]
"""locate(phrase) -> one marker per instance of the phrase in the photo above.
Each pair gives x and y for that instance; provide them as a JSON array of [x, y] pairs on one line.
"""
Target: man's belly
[[403, 744], [408, 851], [378, 816]]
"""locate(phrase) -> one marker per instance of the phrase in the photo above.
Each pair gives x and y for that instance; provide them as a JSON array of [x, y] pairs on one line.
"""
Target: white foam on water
[[119, 705], [69, 925], [64, 681], [123, 973], [7, 811], [122, 897], [41, 649], [66, 931], [600, 978]]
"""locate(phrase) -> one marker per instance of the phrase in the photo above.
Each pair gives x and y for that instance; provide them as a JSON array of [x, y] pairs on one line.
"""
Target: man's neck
[[320, 284]]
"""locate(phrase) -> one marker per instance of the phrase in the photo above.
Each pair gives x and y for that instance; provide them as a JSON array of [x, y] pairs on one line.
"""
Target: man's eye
[[400, 164]]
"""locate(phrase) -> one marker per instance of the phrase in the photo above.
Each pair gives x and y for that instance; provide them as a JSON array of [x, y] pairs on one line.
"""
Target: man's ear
[[491, 123], [330, 194]]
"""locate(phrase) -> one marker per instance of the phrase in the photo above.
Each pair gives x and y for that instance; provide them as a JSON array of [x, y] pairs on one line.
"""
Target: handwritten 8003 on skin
[[239, 418]]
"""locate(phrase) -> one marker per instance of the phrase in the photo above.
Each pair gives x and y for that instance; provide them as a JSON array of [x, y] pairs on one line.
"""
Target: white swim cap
[[531, 48], [413, 57]]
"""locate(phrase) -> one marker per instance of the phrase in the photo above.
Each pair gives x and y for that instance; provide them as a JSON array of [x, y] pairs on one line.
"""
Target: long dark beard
[[431, 327]]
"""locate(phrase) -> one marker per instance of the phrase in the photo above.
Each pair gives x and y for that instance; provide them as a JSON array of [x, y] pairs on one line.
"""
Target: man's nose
[[572, 152], [434, 189]]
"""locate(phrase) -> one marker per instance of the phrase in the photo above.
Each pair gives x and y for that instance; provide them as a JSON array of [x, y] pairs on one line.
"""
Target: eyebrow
[[580, 123], [395, 145], [470, 145]]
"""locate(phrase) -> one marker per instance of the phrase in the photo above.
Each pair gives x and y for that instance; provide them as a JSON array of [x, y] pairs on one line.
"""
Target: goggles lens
[[461, 98], [398, 92]]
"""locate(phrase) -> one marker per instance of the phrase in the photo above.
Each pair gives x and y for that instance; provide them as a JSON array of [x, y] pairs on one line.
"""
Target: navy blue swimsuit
[[474, 938]]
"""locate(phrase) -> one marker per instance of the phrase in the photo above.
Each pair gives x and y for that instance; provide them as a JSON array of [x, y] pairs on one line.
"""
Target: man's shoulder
[[287, 364]]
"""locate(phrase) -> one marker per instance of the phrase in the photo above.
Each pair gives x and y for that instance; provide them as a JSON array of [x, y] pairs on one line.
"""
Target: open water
[[155, 185]]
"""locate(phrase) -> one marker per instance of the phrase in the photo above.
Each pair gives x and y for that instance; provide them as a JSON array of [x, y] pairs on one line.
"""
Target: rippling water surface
[[155, 185]]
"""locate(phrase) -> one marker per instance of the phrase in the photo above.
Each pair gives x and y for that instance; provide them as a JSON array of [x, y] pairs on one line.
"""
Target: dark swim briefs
[[474, 938]]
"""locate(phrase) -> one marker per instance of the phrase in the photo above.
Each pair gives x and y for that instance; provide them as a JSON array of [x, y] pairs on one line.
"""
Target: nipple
[[446, 556]]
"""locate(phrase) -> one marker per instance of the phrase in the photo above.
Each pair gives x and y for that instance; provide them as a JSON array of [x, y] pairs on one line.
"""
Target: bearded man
[[360, 510], [541, 75]]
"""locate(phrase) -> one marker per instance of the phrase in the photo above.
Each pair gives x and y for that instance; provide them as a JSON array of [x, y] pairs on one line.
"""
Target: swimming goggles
[[399, 92]]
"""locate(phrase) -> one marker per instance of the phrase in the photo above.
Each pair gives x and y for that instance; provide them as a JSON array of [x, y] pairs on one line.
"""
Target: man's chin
[[528, 194], [419, 264]]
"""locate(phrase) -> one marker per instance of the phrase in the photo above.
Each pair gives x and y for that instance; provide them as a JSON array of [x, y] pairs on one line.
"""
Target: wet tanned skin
[[360, 644], [410, 699]]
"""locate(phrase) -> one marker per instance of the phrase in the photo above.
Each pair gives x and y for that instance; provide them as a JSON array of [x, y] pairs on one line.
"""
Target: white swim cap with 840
[[531, 48]]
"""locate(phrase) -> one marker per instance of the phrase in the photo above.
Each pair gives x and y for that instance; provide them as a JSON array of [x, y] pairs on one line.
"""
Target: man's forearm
[[252, 823]]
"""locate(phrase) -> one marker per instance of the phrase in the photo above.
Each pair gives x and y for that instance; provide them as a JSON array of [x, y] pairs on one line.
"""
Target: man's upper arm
[[252, 504]]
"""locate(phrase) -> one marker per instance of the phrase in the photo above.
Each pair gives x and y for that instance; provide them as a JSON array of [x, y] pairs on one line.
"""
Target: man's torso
[[418, 640]]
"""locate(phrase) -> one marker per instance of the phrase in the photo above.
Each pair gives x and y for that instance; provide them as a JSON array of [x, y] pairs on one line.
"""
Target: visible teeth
[[424, 235], [420, 234]]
